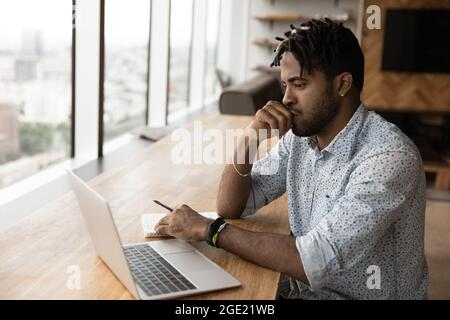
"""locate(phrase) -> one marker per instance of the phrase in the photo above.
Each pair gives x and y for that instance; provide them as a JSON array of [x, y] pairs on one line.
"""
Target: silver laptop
[[151, 270]]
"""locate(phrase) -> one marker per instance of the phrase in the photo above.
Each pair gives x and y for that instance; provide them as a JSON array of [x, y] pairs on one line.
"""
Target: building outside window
[[212, 32], [181, 12], [126, 62], [35, 82]]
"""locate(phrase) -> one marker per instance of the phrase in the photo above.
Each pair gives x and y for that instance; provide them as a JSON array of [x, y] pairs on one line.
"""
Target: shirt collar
[[343, 142]]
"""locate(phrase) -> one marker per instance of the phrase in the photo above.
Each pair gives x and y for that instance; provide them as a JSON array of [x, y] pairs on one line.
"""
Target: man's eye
[[300, 85]]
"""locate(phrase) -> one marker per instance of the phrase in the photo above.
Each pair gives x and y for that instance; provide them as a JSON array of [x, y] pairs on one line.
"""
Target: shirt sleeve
[[377, 194], [268, 176]]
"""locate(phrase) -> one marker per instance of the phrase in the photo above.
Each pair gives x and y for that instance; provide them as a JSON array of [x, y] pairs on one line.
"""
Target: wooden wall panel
[[394, 91]]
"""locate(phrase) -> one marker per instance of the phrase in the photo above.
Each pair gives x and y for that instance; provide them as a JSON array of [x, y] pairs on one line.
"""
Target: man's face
[[311, 99]]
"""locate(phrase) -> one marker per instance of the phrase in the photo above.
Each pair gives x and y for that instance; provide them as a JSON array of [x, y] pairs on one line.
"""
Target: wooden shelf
[[266, 43], [442, 172], [343, 17], [275, 17], [266, 69]]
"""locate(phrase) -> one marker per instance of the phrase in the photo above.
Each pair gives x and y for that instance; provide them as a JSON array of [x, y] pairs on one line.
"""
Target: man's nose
[[288, 98]]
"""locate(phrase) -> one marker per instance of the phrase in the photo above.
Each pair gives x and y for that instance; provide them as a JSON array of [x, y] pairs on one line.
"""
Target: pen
[[163, 205]]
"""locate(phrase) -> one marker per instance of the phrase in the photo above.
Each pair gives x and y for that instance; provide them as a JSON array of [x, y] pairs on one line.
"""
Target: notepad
[[149, 221]]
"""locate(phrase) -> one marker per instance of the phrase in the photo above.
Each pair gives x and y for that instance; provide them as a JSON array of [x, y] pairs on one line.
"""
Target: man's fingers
[[163, 221], [281, 107], [162, 229], [281, 118], [281, 113], [265, 116]]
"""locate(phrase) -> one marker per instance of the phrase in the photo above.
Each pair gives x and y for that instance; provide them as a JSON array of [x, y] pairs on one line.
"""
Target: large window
[[35, 82], [212, 32], [127, 26], [181, 12]]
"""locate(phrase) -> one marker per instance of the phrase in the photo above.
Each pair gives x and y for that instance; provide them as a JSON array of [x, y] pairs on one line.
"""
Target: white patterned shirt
[[356, 208]]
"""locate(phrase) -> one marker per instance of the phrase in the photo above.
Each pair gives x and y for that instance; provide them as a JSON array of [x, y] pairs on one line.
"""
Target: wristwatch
[[214, 230]]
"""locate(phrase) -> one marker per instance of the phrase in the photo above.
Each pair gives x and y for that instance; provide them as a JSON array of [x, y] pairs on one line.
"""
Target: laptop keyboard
[[153, 273]]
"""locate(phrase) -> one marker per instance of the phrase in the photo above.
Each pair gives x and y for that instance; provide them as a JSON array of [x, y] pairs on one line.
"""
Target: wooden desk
[[36, 255]]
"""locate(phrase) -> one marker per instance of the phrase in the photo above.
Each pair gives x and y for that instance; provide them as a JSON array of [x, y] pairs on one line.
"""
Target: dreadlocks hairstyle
[[326, 46]]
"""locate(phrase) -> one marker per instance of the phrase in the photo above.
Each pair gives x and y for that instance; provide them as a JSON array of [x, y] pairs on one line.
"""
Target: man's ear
[[344, 83]]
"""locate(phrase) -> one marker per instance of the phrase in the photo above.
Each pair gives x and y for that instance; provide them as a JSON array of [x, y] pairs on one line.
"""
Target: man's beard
[[321, 114]]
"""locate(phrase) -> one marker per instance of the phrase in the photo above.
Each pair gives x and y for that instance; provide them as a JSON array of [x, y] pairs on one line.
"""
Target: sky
[[50, 16], [125, 24]]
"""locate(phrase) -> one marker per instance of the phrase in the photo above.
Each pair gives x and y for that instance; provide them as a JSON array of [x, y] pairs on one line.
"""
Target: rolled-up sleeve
[[376, 196], [268, 176]]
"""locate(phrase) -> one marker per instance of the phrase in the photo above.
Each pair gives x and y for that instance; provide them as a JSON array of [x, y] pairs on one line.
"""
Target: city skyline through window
[[126, 63], [36, 75], [180, 53], [35, 54], [212, 31]]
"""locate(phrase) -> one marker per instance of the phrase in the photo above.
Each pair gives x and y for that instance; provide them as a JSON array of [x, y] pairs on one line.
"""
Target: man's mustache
[[291, 109]]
